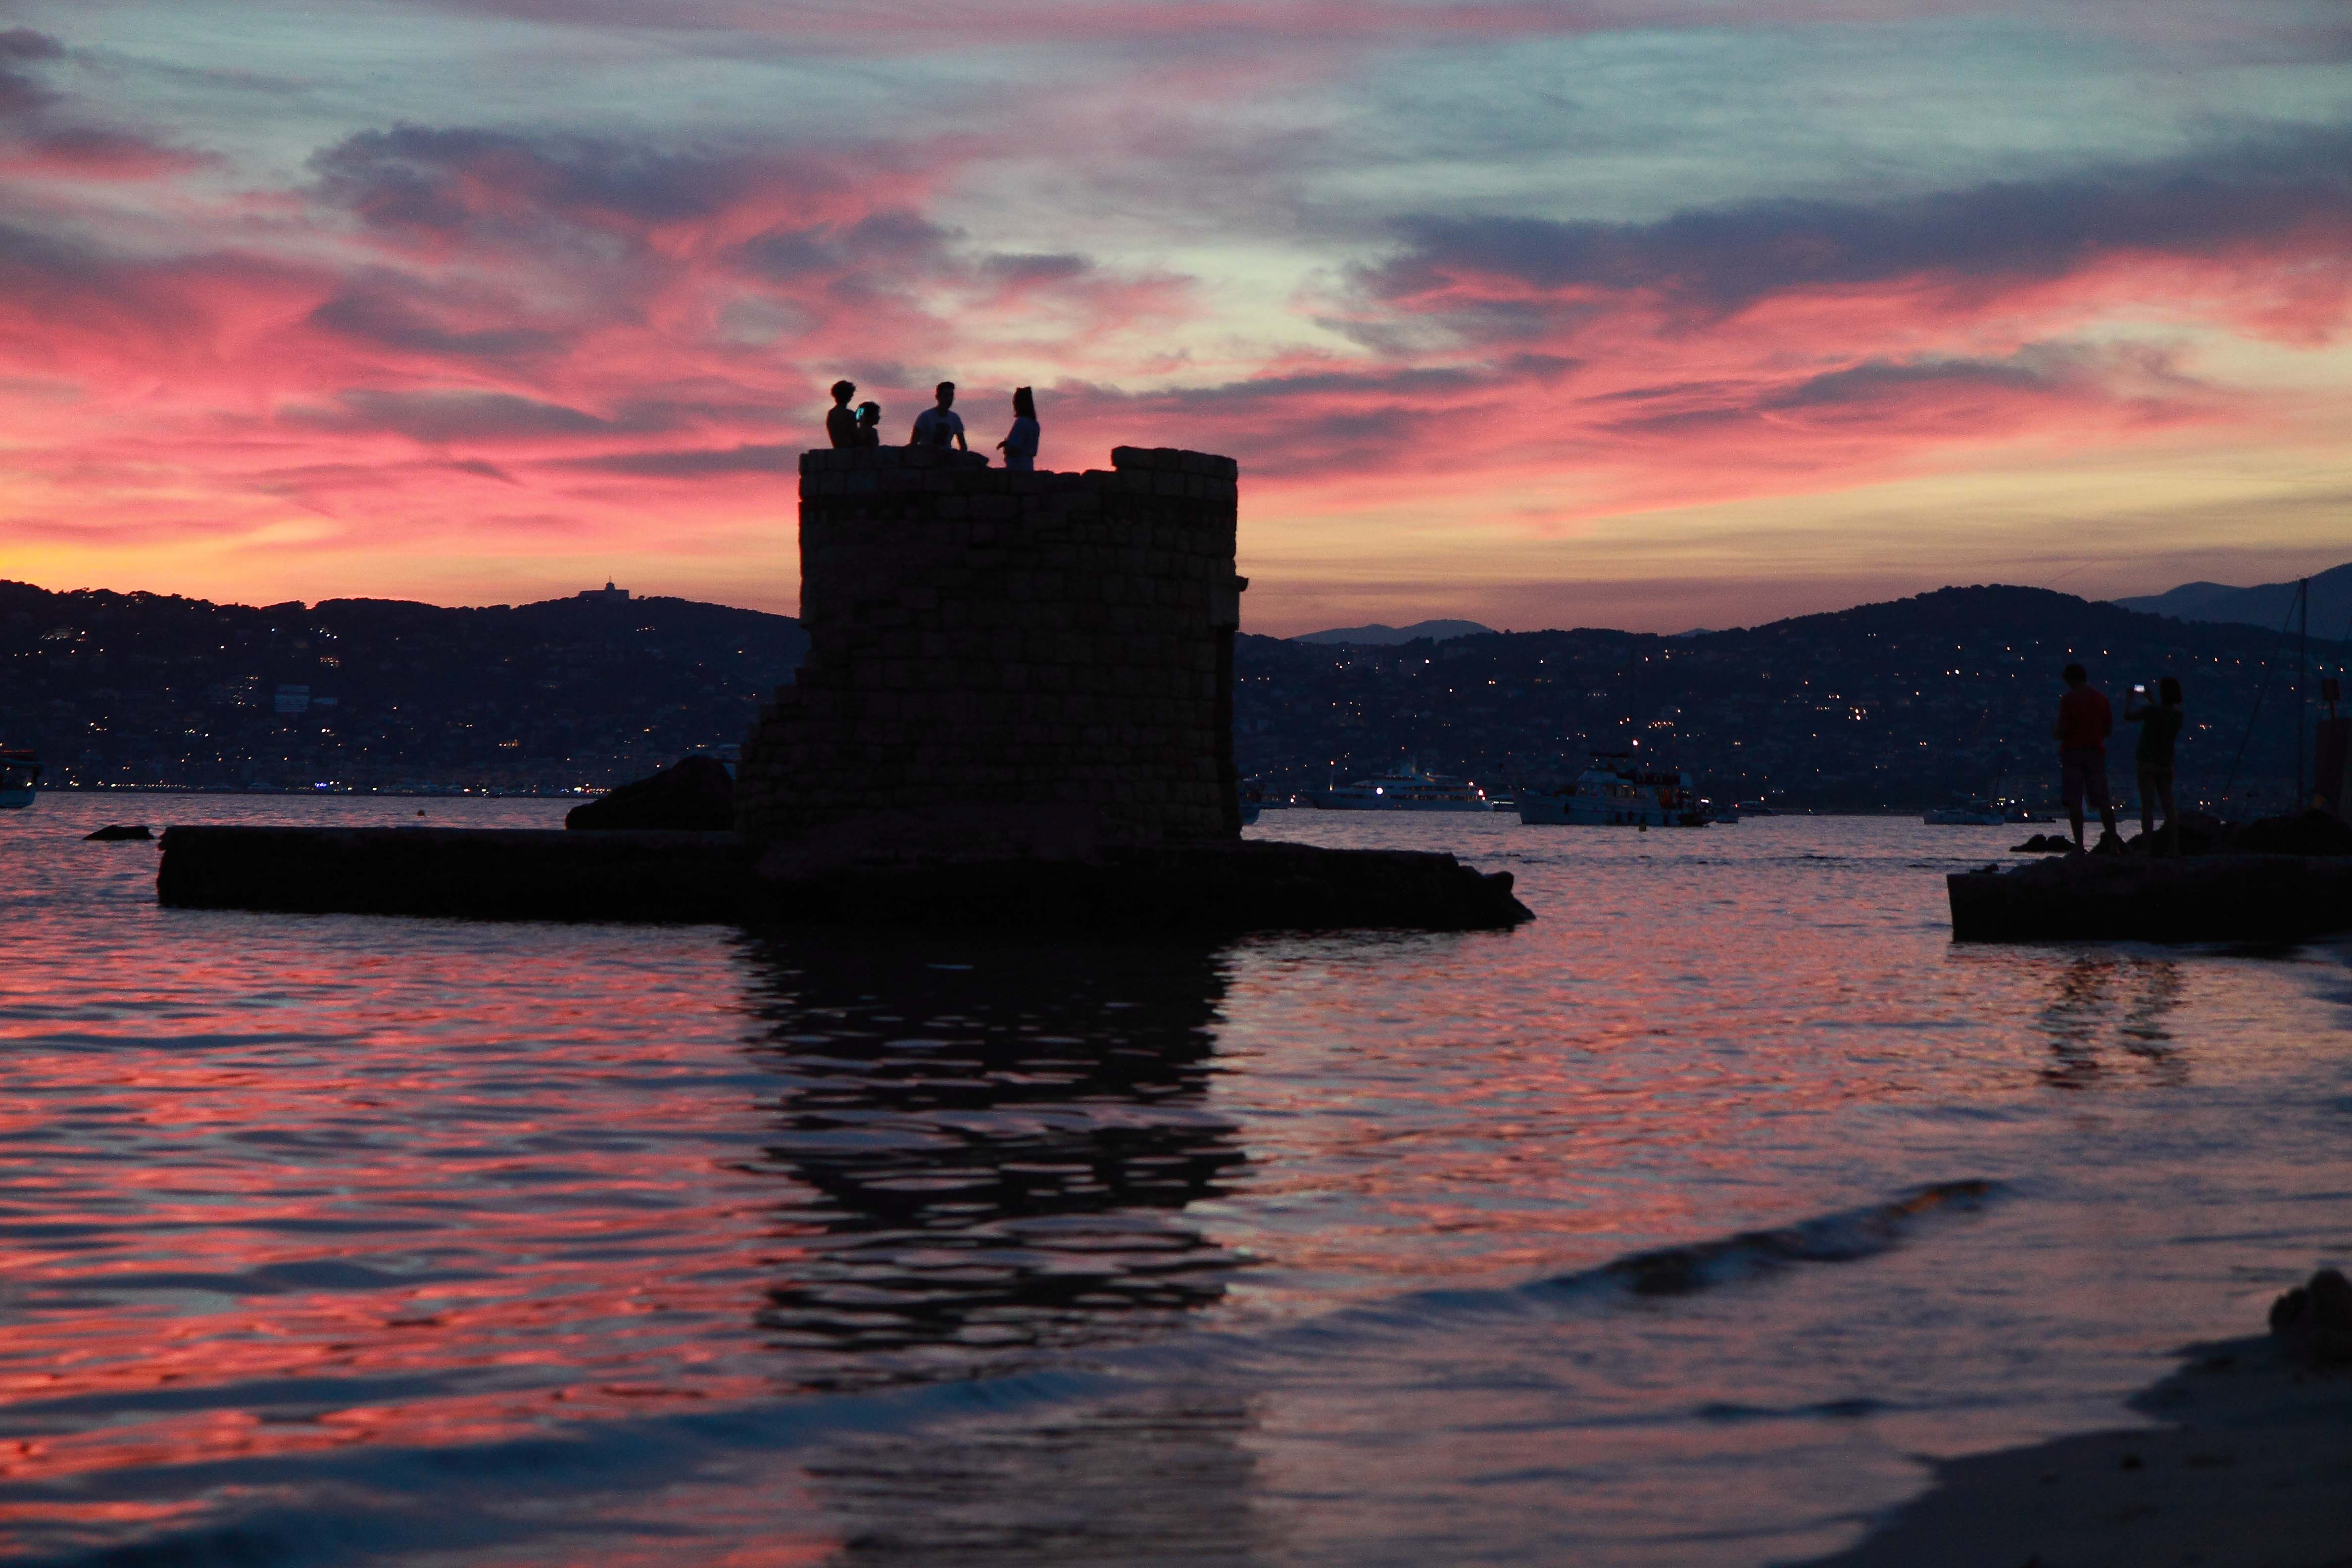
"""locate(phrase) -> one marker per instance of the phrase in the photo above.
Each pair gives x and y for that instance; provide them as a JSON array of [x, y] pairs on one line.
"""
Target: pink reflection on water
[[281, 1187]]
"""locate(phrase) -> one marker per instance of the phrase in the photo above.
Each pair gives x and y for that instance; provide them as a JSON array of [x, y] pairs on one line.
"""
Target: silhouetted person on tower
[[1020, 446], [2084, 722], [942, 425], [840, 423], [869, 424]]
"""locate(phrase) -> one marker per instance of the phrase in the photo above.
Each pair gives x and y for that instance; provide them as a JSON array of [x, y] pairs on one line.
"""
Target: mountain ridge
[[1380, 636], [2263, 605]]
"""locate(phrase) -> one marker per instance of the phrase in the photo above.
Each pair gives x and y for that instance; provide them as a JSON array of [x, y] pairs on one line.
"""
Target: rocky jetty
[[512, 874], [2203, 897], [118, 833], [1206, 889]]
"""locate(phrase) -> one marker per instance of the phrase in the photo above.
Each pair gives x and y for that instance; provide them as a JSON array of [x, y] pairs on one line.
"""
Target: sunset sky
[[1655, 314]]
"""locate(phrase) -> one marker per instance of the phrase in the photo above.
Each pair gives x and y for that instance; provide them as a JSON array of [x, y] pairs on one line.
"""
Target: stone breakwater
[[2206, 898], [984, 638], [1212, 888]]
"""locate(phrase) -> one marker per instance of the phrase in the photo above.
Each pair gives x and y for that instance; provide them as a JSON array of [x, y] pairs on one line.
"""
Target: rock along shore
[[1216, 888]]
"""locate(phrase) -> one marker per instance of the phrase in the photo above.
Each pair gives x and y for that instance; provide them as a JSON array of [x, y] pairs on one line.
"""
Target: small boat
[[20, 773], [1406, 789], [1618, 791], [1966, 813]]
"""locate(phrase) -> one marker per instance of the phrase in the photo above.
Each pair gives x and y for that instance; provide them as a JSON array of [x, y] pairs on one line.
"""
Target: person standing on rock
[[2159, 728], [941, 426], [2084, 722], [840, 422], [1020, 446]]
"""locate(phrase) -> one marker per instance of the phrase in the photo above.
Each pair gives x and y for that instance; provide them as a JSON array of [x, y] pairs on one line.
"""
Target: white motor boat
[[1618, 791], [1406, 789]]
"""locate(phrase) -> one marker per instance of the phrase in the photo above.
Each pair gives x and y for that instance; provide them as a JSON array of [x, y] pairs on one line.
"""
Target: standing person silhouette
[[941, 426], [840, 423], [2084, 722], [2160, 729], [1020, 445], [869, 424]]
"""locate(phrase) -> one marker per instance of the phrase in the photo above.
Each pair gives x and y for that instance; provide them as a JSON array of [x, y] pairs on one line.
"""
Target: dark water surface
[[335, 1240]]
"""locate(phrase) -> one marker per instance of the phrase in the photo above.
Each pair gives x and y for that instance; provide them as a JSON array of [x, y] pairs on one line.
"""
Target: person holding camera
[[2084, 722], [2159, 728], [841, 421]]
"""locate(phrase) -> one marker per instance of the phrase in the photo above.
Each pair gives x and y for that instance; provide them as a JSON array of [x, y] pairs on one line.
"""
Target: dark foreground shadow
[[985, 1149]]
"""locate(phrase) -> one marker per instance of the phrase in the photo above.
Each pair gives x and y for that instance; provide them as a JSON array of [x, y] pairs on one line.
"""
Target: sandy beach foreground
[[2252, 1469]]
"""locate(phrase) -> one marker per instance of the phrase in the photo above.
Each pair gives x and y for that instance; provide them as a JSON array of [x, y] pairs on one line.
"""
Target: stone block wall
[[991, 646]]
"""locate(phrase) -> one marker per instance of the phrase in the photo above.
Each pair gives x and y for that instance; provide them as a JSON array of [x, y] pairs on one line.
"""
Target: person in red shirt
[[2084, 722]]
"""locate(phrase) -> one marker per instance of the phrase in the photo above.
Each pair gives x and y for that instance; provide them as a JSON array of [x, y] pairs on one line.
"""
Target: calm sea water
[[343, 1240]]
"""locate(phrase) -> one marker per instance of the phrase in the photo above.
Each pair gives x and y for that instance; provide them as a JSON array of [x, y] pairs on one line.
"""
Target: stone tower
[[1010, 662]]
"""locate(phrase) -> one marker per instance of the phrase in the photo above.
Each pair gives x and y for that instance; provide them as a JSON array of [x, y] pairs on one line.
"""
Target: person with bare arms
[[941, 426], [2084, 722]]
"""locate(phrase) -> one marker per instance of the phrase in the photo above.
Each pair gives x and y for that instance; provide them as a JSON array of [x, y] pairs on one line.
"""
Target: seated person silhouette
[[840, 423], [942, 425], [869, 426]]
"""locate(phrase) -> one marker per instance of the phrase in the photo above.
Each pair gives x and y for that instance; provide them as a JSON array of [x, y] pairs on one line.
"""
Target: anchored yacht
[[1618, 791], [1407, 789]]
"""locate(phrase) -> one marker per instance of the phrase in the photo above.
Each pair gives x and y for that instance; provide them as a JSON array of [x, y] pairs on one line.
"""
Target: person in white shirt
[[1020, 447], [942, 425]]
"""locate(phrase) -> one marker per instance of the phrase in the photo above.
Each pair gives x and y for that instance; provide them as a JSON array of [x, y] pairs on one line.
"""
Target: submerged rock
[[2043, 844], [115, 832], [698, 795], [2314, 1321]]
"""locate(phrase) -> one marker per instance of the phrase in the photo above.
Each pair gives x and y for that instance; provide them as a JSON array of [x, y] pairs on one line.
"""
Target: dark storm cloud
[[893, 241], [694, 464], [19, 93], [419, 176], [1055, 268], [381, 318], [2258, 191], [1894, 389], [438, 416]]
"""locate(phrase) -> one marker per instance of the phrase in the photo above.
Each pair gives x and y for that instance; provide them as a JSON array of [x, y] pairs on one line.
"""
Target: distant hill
[[1891, 705], [2265, 606], [1887, 705], [378, 693], [1376, 636]]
